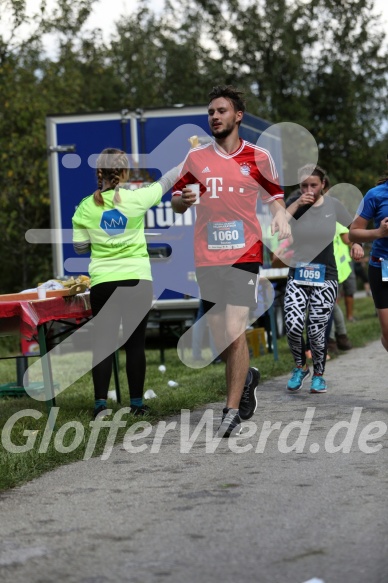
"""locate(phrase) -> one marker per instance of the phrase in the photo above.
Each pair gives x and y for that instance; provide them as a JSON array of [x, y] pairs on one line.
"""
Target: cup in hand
[[41, 292], [195, 189]]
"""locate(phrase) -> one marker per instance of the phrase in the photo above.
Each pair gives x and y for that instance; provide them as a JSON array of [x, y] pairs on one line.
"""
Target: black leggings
[[127, 301]]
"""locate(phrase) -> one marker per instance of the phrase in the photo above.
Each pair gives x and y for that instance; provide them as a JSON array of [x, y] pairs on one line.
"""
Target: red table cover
[[32, 313]]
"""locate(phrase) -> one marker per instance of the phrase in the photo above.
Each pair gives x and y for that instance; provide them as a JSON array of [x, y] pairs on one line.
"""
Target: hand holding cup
[[191, 194]]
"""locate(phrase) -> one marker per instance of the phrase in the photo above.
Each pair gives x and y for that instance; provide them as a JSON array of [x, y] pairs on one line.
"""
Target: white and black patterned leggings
[[319, 302]]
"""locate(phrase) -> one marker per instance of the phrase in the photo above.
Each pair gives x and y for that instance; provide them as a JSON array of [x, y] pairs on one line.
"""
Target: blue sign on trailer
[[155, 140]]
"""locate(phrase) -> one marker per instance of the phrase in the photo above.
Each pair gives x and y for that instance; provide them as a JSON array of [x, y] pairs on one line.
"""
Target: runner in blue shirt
[[375, 207]]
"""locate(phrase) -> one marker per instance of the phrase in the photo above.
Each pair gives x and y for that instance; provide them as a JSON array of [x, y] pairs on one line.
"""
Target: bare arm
[[305, 198], [180, 203], [356, 250], [359, 233], [280, 220]]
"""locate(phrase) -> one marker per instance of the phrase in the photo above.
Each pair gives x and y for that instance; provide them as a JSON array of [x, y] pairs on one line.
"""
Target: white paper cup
[[150, 394], [41, 292], [195, 189], [173, 384]]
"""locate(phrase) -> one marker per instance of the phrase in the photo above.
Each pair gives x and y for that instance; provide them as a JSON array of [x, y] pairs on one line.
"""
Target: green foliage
[[31, 86], [321, 64], [23, 172], [159, 65], [348, 96]]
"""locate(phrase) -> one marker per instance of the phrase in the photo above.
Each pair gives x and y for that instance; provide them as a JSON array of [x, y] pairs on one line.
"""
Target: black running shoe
[[140, 411], [248, 402], [99, 412], [230, 424]]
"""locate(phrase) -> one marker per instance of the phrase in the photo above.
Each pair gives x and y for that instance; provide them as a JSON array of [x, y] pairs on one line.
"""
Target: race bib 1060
[[229, 235]]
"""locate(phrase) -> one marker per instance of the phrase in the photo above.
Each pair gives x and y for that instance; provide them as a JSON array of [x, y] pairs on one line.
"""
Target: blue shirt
[[375, 206]]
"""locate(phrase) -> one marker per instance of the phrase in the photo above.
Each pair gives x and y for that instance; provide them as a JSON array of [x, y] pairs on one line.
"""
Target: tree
[[348, 96], [320, 64], [30, 87], [158, 64], [23, 193]]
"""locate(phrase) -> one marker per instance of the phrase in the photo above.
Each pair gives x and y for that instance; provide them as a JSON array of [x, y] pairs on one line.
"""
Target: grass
[[196, 387]]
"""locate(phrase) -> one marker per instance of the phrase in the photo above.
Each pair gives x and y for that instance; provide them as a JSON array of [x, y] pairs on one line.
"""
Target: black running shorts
[[379, 288]]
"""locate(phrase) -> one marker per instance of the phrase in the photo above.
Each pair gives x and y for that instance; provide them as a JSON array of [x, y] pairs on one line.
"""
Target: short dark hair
[[230, 93]]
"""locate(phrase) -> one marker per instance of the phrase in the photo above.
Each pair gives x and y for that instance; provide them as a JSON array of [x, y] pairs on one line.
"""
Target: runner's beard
[[223, 134]]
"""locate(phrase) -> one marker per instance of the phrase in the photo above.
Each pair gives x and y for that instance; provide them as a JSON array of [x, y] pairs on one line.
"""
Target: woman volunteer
[[110, 224]]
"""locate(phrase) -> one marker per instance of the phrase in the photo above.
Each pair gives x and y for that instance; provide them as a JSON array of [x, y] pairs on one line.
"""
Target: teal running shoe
[[318, 385], [296, 381]]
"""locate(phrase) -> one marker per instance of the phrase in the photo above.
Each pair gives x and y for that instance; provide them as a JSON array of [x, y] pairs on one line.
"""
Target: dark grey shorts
[[349, 286], [223, 285]]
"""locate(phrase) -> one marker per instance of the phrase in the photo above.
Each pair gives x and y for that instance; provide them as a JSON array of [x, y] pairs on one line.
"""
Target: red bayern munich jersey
[[227, 230]]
